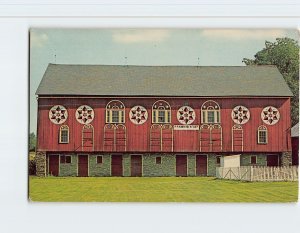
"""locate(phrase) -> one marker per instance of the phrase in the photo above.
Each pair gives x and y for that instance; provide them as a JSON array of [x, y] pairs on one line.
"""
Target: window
[[210, 117], [210, 112], [161, 112], [64, 134], [115, 112], [253, 159], [99, 159], [158, 160], [262, 135], [218, 160], [65, 159]]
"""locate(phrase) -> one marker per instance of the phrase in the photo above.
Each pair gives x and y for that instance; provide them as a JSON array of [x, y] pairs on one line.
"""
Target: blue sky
[[204, 47]]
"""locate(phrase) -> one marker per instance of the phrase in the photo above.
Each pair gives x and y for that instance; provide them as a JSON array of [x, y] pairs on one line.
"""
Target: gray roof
[[112, 80], [295, 130]]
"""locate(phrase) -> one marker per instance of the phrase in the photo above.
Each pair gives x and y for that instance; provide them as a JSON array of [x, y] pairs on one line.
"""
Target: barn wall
[[69, 169], [166, 168], [102, 169], [138, 136], [149, 166], [261, 159]]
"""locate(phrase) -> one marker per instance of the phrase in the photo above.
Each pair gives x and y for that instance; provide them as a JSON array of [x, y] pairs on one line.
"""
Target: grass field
[[158, 189]]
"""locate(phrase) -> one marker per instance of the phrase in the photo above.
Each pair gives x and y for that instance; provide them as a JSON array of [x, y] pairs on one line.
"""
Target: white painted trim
[[166, 111], [88, 126], [260, 129], [110, 110], [237, 128], [60, 132], [216, 112]]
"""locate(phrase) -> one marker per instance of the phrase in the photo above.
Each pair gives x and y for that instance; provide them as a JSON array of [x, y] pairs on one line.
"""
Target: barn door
[[201, 165], [83, 166], [53, 165], [136, 165], [181, 165], [273, 160], [116, 165]]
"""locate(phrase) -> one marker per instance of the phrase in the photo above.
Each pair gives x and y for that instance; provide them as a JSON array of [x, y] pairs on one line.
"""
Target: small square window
[[253, 159], [99, 159], [158, 160], [68, 159], [218, 159]]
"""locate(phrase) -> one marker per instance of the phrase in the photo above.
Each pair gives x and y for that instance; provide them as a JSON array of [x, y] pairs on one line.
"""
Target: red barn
[[101, 120]]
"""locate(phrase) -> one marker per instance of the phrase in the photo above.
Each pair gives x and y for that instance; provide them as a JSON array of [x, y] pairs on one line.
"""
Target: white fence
[[258, 173]]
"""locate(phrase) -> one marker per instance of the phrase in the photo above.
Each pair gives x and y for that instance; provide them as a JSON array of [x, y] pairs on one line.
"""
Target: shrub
[[31, 167]]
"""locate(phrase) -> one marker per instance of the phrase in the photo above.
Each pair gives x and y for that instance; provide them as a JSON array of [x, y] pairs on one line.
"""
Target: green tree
[[284, 53], [32, 141]]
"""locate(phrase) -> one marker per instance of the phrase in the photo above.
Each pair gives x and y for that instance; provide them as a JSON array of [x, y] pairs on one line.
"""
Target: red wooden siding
[[141, 138]]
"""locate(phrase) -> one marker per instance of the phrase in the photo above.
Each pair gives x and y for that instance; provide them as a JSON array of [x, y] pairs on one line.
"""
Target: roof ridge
[[242, 66]]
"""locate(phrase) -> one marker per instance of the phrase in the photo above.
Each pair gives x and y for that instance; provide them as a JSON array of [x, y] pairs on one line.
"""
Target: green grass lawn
[[159, 189]]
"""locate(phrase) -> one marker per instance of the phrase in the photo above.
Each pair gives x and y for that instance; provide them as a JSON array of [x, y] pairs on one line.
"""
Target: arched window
[[115, 112], [210, 112], [161, 112], [262, 135], [64, 134]]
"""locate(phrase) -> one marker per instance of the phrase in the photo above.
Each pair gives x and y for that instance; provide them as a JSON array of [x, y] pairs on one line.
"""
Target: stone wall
[[191, 165], [99, 169], [150, 168], [286, 158], [69, 169], [261, 159], [40, 160], [166, 168], [211, 165]]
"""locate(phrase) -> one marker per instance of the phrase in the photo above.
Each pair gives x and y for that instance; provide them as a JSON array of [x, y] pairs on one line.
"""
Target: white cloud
[[243, 34], [38, 39], [138, 36]]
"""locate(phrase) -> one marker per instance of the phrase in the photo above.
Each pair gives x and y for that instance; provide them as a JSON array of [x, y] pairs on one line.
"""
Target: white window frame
[[118, 107], [209, 109], [165, 108], [262, 128], [64, 128]]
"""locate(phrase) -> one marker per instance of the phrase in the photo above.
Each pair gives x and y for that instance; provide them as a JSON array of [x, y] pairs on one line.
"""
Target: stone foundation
[[40, 160], [286, 158]]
